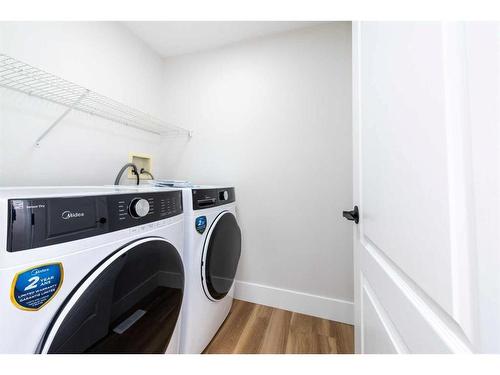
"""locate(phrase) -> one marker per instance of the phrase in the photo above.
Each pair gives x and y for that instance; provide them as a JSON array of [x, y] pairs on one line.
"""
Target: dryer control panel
[[206, 198], [42, 222]]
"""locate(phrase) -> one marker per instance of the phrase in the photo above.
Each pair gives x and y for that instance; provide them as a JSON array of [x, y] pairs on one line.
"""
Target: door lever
[[352, 215]]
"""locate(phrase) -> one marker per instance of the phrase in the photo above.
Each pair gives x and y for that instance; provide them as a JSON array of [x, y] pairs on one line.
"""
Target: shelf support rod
[[60, 118]]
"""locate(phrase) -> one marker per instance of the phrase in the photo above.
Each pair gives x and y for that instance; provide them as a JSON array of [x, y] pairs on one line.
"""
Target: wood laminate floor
[[258, 329]]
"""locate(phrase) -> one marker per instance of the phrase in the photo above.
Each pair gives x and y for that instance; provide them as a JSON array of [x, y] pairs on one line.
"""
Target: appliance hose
[[134, 171], [143, 171]]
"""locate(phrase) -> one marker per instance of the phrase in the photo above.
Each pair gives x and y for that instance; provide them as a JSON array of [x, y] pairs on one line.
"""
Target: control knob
[[139, 207]]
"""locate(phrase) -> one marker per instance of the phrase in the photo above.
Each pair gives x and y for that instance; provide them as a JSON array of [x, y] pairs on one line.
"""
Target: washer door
[[221, 254], [129, 303]]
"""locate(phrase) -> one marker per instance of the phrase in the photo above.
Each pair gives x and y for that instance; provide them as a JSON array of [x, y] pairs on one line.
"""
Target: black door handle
[[352, 215]]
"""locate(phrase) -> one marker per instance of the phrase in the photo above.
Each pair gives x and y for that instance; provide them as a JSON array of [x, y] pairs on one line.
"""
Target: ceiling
[[170, 38]]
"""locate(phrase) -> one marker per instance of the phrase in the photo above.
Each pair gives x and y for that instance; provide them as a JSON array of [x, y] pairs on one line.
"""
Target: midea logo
[[71, 215], [38, 271]]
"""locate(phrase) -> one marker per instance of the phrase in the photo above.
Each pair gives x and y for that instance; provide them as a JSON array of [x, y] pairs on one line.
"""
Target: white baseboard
[[304, 303]]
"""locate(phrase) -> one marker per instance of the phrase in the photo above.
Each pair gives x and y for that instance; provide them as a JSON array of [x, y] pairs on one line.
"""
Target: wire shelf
[[19, 76]]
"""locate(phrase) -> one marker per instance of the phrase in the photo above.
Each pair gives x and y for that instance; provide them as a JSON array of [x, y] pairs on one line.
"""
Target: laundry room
[[176, 185], [261, 107]]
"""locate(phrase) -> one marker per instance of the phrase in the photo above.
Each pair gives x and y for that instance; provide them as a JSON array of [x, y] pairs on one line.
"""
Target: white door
[[426, 156]]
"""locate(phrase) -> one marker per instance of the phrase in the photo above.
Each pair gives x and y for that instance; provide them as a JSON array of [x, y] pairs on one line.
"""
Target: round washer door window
[[130, 303], [221, 255]]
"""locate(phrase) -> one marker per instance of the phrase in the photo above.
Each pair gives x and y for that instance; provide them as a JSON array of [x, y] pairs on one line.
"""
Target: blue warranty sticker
[[35, 287], [201, 224]]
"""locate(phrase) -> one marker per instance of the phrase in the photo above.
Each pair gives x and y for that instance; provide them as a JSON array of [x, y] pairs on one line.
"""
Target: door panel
[[412, 166], [404, 160], [377, 326], [421, 324]]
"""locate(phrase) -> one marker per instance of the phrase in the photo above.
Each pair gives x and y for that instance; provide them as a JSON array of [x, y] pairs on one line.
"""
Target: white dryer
[[90, 270], [212, 252]]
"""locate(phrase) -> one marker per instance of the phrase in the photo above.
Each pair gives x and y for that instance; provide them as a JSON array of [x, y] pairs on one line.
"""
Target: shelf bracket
[[60, 118]]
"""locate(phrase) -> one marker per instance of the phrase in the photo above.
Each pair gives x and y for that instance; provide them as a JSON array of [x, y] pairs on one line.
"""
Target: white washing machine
[[211, 254], [90, 270]]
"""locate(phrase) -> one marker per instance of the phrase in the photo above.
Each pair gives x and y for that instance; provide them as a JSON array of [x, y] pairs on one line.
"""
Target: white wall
[[273, 118], [81, 150]]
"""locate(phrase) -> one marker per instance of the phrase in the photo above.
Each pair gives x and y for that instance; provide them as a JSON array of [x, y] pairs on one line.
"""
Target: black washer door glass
[[223, 255], [132, 306]]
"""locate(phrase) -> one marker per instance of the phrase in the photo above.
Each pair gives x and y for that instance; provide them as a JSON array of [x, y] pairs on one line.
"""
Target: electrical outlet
[[141, 161]]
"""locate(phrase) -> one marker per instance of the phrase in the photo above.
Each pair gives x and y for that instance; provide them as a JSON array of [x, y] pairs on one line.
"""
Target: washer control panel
[[127, 210], [42, 222]]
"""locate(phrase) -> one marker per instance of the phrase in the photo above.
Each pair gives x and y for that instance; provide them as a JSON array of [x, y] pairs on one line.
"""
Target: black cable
[[146, 172], [134, 171]]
